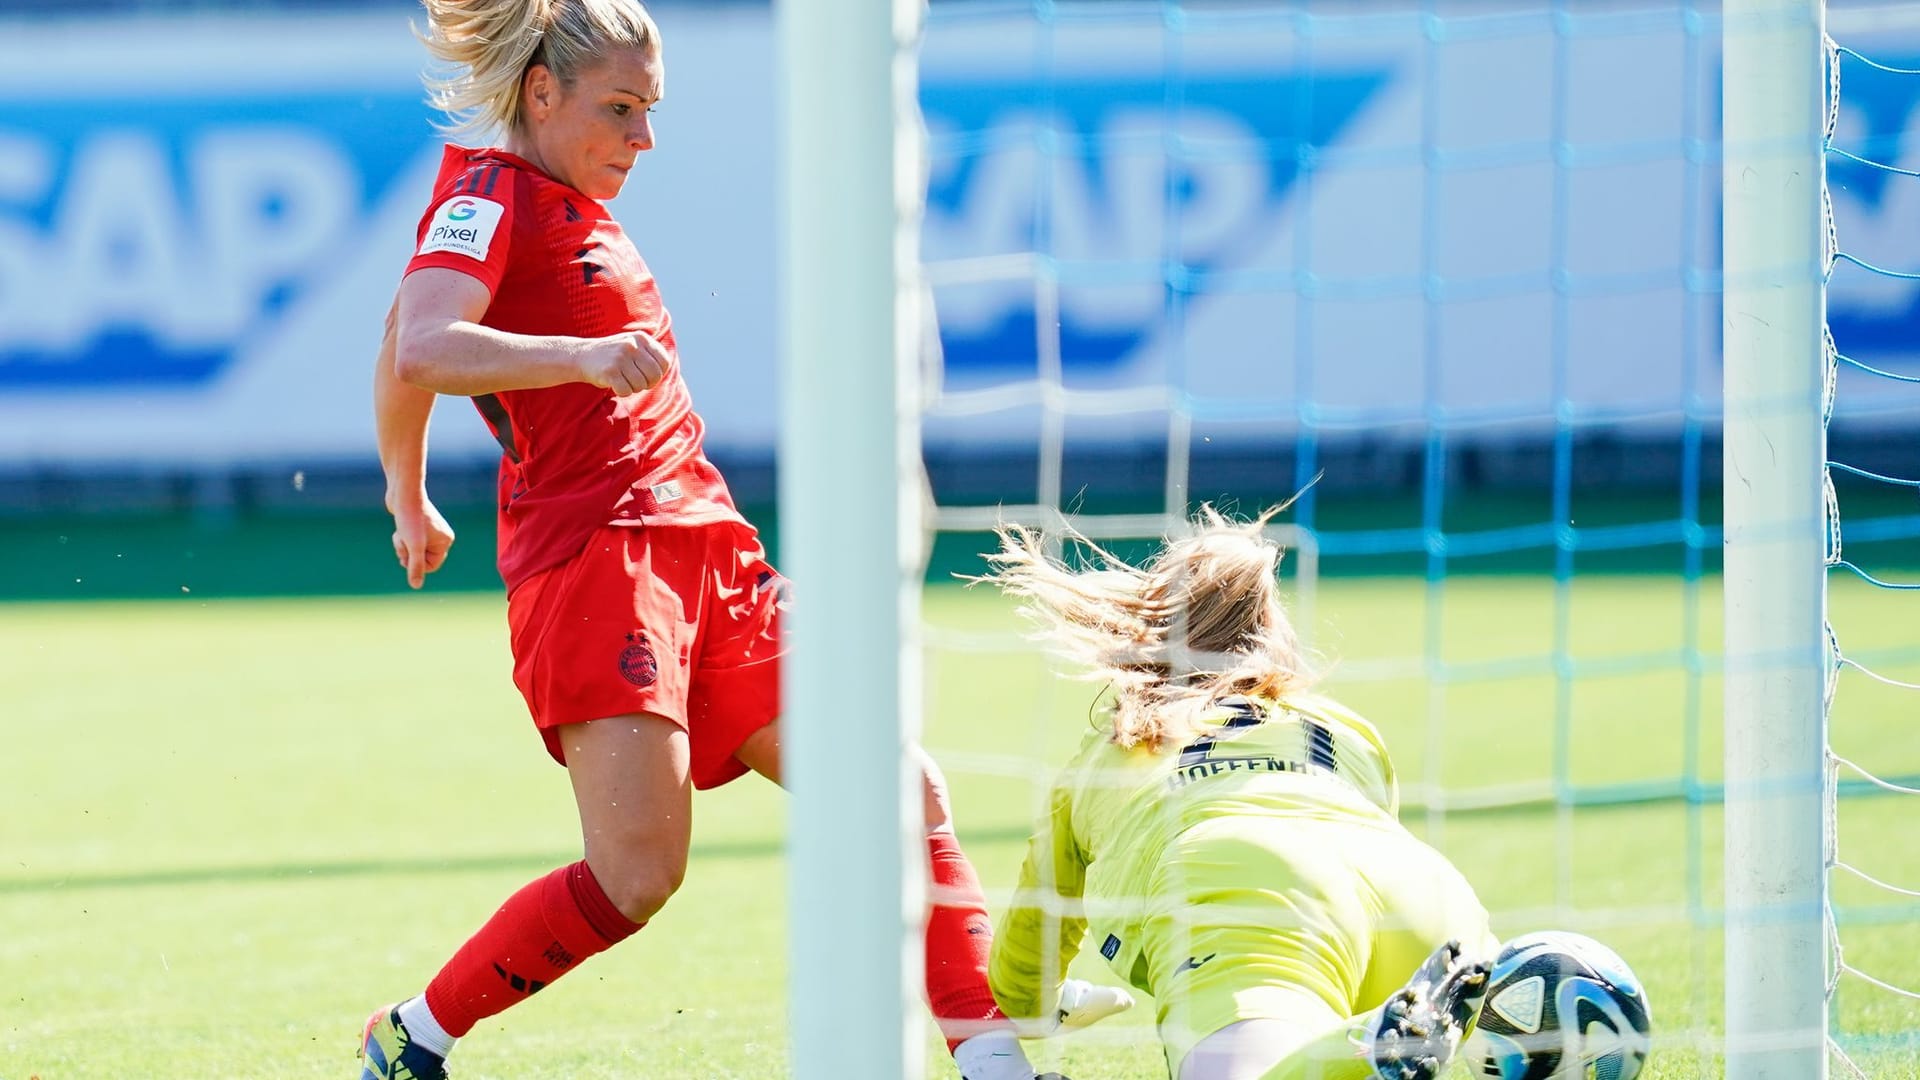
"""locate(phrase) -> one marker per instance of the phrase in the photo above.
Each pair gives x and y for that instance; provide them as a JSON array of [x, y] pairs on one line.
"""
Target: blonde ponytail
[[1200, 621], [486, 46]]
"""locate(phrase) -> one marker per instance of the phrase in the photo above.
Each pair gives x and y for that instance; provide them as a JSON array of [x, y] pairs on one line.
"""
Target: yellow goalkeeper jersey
[[1114, 813]]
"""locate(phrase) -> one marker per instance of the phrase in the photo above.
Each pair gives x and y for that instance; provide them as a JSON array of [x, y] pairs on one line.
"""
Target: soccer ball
[[1559, 1005]]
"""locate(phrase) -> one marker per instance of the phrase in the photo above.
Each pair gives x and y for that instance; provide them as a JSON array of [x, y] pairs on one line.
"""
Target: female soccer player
[[644, 617], [1229, 837]]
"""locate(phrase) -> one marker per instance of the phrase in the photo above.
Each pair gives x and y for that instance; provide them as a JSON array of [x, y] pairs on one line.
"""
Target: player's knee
[[937, 808], [644, 891], [642, 882]]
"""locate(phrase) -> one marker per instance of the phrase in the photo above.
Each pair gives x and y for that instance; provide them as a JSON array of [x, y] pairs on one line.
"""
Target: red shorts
[[681, 621]]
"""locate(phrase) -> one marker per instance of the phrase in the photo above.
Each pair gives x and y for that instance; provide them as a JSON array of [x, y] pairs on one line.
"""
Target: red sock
[[959, 940], [538, 935]]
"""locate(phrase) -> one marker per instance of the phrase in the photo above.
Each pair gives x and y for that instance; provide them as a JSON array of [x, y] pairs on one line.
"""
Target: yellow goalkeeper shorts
[[1306, 919]]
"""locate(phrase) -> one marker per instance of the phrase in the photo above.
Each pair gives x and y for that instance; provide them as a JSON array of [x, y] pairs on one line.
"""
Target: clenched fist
[[625, 363]]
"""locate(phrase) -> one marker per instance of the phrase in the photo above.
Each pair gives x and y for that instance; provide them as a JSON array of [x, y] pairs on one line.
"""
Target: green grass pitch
[[228, 829]]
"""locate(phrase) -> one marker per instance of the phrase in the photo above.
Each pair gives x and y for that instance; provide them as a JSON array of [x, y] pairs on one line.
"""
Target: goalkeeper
[[1228, 837]]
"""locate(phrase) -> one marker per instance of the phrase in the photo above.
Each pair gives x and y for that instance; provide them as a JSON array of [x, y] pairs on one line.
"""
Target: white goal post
[[850, 535], [1774, 95]]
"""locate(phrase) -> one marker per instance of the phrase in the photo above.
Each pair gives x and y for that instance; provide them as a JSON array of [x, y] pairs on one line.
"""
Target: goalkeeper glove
[[1083, 1003]]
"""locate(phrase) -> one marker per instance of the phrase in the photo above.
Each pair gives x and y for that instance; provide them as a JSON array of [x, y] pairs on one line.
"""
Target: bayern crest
[[637, 664]]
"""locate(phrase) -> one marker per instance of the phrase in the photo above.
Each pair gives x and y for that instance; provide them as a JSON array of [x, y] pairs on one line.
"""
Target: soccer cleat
[[388, 1053], [1420, 1027]]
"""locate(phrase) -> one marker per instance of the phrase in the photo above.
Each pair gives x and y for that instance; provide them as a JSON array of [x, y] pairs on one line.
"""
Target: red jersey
[[576, 456]]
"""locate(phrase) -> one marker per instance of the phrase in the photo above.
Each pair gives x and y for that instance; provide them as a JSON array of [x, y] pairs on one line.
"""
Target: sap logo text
[[148, 253], [1126, 197]]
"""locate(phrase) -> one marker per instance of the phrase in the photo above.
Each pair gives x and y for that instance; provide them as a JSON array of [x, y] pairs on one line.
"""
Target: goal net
[[1451, 273]]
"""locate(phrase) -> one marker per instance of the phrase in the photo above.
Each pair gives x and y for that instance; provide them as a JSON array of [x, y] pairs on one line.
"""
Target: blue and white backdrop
[[1499, 224]]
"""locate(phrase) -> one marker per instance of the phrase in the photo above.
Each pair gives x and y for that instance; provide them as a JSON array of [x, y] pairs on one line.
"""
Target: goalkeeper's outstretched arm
[[1025, 973]]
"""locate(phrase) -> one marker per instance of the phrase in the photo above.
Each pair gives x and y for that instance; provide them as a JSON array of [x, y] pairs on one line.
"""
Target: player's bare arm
[[442, 347], [421, 536]]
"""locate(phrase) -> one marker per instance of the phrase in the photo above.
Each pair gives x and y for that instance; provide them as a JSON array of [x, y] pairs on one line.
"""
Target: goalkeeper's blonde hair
[[1200, 621], [488, 45]]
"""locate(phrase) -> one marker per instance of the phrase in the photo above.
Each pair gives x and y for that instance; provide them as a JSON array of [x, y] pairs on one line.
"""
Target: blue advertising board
[[1348, 222]]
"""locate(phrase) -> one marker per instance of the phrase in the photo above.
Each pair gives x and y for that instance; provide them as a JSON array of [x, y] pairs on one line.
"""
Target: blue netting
[[1442, 256], [1064, 299]]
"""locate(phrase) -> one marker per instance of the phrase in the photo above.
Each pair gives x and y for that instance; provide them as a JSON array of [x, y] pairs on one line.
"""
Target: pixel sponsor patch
[[464, 225]]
